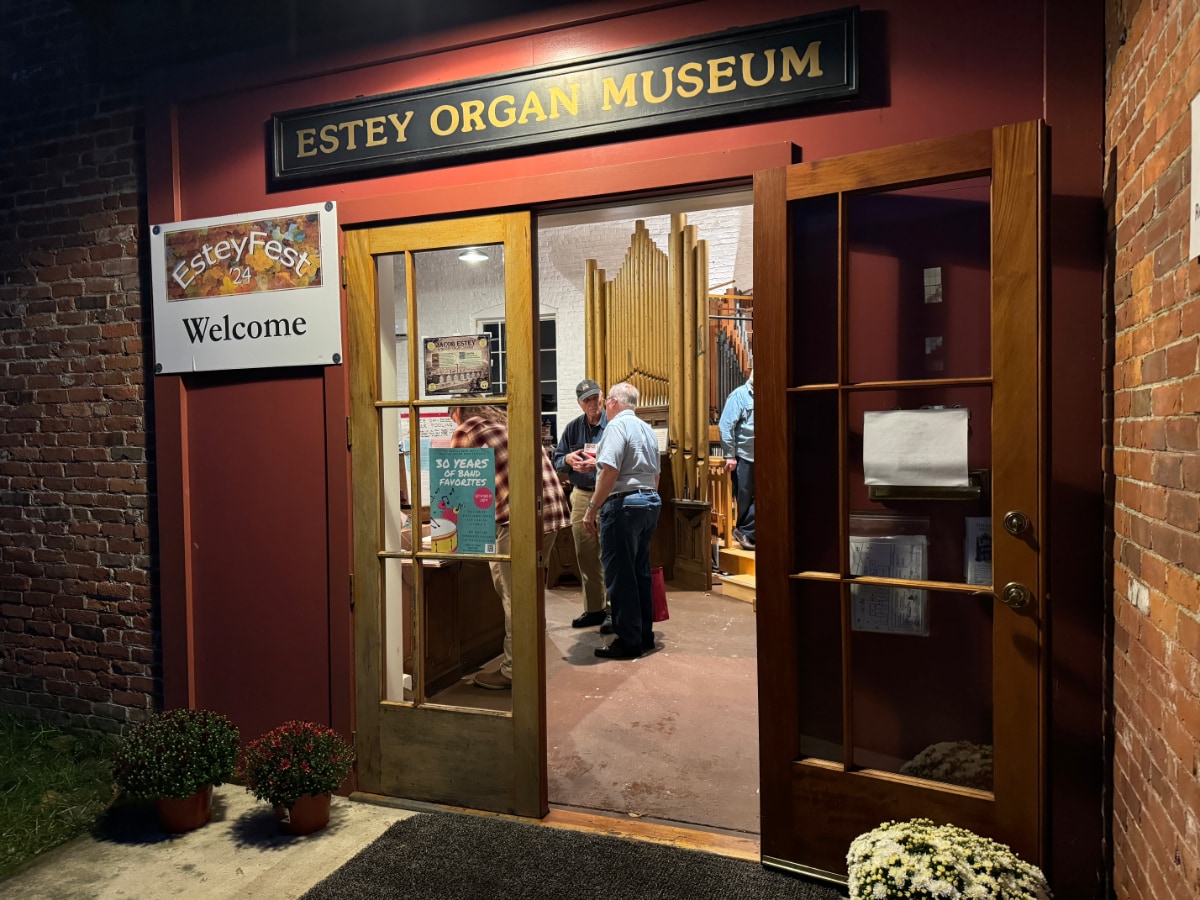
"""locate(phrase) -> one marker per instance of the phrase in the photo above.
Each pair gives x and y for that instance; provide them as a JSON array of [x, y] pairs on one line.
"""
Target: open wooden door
[[426, 615], [901, 625]]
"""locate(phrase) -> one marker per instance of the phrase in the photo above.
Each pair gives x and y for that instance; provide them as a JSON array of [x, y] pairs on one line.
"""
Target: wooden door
[[901, 670], [424, 732]]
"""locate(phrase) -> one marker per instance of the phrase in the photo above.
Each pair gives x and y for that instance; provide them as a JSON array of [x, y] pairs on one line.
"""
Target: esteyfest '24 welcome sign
[[253, 290]]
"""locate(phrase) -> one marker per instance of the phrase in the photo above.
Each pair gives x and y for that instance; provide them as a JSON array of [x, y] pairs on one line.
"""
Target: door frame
[[1015, 155], [472, 758]]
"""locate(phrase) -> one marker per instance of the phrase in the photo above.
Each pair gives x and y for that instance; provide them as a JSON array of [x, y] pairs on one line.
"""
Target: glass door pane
[[919, 279], [445, 623]]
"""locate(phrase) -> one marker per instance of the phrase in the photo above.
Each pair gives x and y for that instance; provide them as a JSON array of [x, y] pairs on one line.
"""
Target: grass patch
[[53, 785]]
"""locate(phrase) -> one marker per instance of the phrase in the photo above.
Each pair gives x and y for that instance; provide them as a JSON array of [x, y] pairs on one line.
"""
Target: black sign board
[[781, 64]]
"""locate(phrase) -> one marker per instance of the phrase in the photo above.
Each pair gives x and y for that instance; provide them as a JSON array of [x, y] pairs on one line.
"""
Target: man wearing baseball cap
[[575, 456]]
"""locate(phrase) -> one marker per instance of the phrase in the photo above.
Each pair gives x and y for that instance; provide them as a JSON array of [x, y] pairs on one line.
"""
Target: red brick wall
[[76, 618], [1154, 333]]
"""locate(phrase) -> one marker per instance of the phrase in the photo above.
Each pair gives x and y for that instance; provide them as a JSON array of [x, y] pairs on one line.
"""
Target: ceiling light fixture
[[473, 255]]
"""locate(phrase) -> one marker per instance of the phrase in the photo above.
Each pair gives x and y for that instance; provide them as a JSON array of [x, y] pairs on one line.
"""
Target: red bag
[[658, 592]]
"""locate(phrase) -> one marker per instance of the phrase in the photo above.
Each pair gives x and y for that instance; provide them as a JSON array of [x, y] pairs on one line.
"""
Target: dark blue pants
[[743, 486], [627, 524]]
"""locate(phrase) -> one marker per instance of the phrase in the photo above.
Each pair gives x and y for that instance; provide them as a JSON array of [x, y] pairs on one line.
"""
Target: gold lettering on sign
[[570, 104], [435, 120], [626, 93], [375, 135], [349, 127], [716, 75], [719, 69], [747, 75], [472, 116], [689, 74], [532, 109], [305, 138], [648, 81], [509, 111], [329, 139], [811, 61], [401, 127]]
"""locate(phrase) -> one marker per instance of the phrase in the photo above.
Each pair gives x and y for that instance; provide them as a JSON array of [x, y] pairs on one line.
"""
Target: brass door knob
[[1015, 595], [1016, 522]]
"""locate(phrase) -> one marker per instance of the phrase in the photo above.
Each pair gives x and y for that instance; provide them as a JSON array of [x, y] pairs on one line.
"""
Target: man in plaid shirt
[[487, 426]]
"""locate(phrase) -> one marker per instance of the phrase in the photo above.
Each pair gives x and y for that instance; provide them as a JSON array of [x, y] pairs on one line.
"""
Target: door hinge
[[345, 284], [352, 590], [349, 434]]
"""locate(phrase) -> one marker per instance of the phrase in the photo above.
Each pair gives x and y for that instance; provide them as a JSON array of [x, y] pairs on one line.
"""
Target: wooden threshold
[[651, 831]]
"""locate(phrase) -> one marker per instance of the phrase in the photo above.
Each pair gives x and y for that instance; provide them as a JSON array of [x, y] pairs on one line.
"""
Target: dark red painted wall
[[259, 547]]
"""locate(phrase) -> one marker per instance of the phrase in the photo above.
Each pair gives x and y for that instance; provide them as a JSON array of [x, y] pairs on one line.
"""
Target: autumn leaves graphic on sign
[[244, 257]]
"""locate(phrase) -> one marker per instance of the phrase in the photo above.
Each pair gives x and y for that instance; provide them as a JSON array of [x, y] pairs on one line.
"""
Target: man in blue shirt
[[626, 505], [737, 442], [572, 458]]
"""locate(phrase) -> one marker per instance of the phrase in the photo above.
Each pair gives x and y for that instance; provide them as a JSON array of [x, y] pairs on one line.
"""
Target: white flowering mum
[[924, 861]]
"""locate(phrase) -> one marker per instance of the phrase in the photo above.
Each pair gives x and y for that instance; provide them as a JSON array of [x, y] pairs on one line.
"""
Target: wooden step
[[738, 587], [736, 561]]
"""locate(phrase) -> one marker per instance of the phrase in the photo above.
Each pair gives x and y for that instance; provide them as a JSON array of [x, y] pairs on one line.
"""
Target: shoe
[[648, 645], [607, 626], [742, 541], [492, 681], [588, 619], [618, 650]]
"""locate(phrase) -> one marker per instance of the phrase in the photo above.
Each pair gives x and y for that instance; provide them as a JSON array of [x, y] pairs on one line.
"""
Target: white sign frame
[[239, 325]]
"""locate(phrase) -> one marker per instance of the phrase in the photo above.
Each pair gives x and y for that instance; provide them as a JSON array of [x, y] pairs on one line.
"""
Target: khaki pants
[[587, 553], [502, 579]]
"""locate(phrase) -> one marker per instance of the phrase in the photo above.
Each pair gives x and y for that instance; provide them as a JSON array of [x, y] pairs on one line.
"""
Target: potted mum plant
[[923, 861], [176, 758], [295, 767]]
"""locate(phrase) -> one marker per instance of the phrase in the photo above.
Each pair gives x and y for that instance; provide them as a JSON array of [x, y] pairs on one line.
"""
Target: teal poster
[[462, 500]]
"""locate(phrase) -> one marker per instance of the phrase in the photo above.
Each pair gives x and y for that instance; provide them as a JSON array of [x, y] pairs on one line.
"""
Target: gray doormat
[[446, 856]]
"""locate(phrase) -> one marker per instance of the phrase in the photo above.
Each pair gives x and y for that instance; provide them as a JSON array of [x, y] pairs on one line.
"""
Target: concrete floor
[[672, 735], [240, 853]]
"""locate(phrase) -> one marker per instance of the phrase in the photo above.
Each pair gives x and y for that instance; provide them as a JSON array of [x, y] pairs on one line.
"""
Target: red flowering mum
[[295, 759]]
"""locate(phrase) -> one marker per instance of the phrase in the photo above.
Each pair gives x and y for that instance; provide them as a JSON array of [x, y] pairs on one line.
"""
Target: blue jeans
[[627, 523], [743, 486]]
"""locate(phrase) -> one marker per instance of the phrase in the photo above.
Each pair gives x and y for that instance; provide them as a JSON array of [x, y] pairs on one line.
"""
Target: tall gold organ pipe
[[675, 266], [701, 390], [601, 325], [689, 356], [589, 318]]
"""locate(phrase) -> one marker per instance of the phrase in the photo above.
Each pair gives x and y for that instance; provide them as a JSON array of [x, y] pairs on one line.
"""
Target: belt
[[634, 491]]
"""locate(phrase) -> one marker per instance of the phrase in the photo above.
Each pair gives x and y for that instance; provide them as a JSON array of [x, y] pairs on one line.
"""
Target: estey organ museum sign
[[781, 64]]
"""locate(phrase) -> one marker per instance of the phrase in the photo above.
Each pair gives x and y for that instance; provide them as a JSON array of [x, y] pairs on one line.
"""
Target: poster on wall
[[880, 608], [462, 500], [459, 364], [247, 291]]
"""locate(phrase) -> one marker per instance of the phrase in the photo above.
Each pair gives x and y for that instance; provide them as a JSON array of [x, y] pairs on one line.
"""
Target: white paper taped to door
[[922, 447]]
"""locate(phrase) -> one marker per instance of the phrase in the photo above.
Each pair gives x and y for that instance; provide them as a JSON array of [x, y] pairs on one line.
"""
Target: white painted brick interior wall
[[453, 296]]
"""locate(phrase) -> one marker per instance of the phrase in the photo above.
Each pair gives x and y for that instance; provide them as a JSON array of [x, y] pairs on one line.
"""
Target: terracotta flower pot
[[178, 816], [306, 815]]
